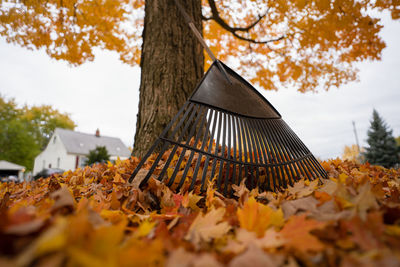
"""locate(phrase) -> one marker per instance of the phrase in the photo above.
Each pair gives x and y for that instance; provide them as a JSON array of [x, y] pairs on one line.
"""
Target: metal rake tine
[[266, 152], [284, 152], [171, 135], [302, 148], [214, 164], [296, 152], [150, 151], [261, 154], [209, 151], [219, 179], [257, 152], [228, 155], [299, 151], [239, 137], [192, 129], [281, 181], [234, 152], [206, 132], [251, 154], [288, 147], [189, 161], [245, 151], [150, 172], [282, 157]]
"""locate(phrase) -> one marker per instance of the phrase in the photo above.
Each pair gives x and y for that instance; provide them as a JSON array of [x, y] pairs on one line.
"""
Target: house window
[[58, 162], [82, 161]]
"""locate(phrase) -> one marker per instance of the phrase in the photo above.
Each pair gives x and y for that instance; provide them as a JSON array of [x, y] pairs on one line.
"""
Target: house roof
[[5, 165], [82, 143]]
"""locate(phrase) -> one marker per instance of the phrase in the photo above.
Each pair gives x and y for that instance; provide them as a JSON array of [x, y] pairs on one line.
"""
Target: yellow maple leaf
[[257, 217]]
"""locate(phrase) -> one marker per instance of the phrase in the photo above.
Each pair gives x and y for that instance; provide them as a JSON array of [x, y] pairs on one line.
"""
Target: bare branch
[[217, 18], [206, 18]]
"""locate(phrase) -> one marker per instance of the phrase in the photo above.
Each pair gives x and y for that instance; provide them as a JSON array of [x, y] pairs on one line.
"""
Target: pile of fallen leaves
[[94, 217]]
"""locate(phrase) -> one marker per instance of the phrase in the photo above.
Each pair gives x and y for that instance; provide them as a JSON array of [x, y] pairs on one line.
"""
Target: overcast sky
[[104, 94]]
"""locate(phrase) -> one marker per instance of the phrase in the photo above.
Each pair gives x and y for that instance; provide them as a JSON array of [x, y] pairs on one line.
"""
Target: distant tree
[[99, 154], [352, 153], [382, 148], [25, 131], [44, 120], [398, 141]]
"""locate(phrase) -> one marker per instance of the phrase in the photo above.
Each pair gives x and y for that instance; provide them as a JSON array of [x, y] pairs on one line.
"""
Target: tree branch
[[217, 18]]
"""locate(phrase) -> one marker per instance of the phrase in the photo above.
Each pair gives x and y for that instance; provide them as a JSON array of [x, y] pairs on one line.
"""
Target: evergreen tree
[[382, 148], [99, 154]]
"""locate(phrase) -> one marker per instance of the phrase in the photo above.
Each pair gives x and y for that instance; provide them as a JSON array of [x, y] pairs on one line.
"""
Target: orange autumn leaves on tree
[[301, 44], [95, 217]]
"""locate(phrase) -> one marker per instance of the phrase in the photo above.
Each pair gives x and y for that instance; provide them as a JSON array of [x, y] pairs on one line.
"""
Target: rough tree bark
[[172, 63]]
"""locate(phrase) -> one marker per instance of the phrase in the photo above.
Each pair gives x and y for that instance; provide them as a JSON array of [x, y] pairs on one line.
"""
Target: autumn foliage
[[94, 217], [290, 43]]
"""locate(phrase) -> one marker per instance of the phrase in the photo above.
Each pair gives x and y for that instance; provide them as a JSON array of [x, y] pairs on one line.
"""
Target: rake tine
[[258, 143], [289, 150], [166, 144], [297, 154], [171, 155], [285, 153], [135, 172], [209, 151], [282, 167], [274, 150], [228, 155], [298, 151], [234, 152], [254, 133], [302, 148], [189, 162], [245, 150], [222, 152], [214, 164], [282, 157], [239, 137], [251, 153], [207, 129], [266, 152], [182, 155]]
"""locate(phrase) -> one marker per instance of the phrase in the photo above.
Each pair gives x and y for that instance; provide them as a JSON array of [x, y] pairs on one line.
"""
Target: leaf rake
[[227, 131]]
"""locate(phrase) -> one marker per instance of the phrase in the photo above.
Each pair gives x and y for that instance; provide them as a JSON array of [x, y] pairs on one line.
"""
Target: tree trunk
[[172, 63]]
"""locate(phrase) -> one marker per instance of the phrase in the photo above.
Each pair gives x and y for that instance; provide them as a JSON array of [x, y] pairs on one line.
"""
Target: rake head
[[227, 131]]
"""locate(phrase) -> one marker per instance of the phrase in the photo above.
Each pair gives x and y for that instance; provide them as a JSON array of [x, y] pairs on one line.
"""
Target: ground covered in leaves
[[94, 217]]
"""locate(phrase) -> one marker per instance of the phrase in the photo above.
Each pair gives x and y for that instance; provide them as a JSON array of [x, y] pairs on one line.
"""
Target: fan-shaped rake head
[[228, 132]]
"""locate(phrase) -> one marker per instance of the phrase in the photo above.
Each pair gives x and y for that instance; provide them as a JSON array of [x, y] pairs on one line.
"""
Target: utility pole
[[355, 134]]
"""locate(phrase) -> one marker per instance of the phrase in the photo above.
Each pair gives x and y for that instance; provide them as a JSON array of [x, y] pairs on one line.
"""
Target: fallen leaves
[[296, 232], [258, 217], [207, 227], [94, 217]]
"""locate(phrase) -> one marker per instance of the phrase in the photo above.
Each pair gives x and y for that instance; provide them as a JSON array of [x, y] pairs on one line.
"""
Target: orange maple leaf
[[297, 234]]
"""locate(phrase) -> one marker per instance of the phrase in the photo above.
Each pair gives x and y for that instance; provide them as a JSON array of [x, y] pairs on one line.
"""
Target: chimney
[[97, 132]]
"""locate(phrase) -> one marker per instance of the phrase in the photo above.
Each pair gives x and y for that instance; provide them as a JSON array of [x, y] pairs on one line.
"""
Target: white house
[[68, 149]]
